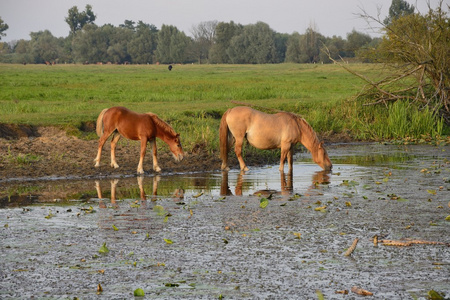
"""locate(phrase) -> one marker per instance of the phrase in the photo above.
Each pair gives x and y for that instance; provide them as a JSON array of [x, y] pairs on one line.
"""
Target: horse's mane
[[162, 124], [305, 128]]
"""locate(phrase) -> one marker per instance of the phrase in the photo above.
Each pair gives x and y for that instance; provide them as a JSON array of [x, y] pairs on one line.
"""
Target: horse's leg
[[115, 138], [101, 142], [238, 151], [285, 153], [140, 168], [290, 156], [155, 159], [224, 155]]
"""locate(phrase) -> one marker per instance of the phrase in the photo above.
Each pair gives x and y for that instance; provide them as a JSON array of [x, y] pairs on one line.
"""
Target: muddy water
[[209, 235]]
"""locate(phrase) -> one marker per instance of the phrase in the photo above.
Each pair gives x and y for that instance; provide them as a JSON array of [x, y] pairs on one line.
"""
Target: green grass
[[191, 97]]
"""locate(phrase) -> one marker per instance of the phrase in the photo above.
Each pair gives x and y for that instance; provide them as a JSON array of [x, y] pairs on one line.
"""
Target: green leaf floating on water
[[103, 249], [168, 241], [115, 228], [433, 295], [159, 210], [139, 293], [432, 192], [263, 202]]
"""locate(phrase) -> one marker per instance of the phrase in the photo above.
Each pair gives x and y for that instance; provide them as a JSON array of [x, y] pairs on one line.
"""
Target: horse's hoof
[[245, 169], [115, 166], [157, 169]]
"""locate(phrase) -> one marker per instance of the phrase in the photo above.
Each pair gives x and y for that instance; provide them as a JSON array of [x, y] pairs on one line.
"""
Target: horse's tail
[[223, 137], [99, 127]]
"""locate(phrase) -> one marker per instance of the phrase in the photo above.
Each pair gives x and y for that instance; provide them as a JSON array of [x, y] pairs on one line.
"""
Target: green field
[[191, 97]]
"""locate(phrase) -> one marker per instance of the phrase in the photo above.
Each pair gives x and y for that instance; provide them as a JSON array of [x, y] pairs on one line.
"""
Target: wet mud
[[259, 234]]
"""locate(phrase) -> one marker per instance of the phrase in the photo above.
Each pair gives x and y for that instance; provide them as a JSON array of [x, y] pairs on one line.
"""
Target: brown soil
[[28, 152]]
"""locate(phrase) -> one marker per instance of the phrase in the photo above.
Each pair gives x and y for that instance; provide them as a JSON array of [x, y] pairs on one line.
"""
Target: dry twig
[[352, 247]]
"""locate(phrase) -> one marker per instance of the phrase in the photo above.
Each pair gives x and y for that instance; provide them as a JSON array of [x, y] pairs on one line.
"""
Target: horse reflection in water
[[249, 216], [133, 216], [286, 184], [178, 193], [114, 182]]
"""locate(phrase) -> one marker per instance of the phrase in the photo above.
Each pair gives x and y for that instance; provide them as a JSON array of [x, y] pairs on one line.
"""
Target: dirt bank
[[48, 152]]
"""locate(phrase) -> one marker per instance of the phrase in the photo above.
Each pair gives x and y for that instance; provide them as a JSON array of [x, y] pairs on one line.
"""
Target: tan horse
[[120, 121], [268, 131]]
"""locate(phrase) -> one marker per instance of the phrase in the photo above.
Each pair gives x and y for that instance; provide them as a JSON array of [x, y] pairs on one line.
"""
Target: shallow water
[[206, 235]]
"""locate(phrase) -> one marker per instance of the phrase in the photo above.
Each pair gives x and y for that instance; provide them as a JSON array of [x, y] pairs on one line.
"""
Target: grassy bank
[[193, 97]]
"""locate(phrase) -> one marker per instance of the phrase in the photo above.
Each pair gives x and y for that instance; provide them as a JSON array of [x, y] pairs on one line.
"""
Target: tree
[[45, 47], [255, 45], [398, 8], [293, 51], [143, 44], [333, 47], [172, 45], [305, 48], [119, 38], [77, 20], [417, 49], [3, 27], [203, 35], [223, 34], [91, 44], [355, 41], [281, 46], [128, 24]]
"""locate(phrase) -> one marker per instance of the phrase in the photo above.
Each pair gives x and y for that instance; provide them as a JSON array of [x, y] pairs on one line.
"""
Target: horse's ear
[[178, 135]]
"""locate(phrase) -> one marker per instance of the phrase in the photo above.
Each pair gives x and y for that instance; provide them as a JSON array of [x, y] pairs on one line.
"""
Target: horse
[[120, 121], [268, 131]]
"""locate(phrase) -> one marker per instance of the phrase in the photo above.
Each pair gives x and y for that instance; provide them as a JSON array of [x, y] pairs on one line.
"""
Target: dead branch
[[360, 291], [352, 248]]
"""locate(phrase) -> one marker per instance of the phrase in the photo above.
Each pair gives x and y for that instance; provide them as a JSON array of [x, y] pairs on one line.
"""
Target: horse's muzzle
[[178, 157]]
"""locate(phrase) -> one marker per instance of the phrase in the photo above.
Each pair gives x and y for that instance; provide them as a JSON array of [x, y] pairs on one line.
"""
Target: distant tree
[[76, 20], [172, 45], [91, 44], [203, 39], [293, 51], [281, 46], [22, 52], [223, 34], [310, 45], [119, 38], [305, 48], [128, 24], [333, 47], [398, 8], [44, 47], [255, 45], [143, 44], [3, 28], [355, 41]]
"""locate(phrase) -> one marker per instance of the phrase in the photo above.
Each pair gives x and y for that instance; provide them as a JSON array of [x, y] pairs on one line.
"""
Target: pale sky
[[329, 17]]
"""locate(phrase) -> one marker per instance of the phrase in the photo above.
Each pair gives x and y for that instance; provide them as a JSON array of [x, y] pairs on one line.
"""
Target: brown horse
[[268, 131], [117, 121]]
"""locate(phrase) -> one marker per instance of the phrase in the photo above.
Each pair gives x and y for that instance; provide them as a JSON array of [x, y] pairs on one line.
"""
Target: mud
[[196, 235], [50, 153]]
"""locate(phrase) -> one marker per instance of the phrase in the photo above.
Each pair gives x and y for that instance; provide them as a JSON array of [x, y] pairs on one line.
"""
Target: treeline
[[211, 42]]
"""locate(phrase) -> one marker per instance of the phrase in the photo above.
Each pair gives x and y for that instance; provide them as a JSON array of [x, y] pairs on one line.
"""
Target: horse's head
[[321, 158], [176, 148]]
